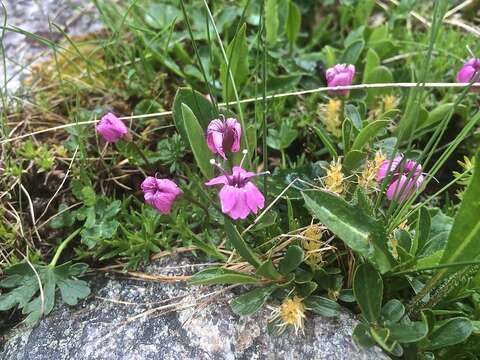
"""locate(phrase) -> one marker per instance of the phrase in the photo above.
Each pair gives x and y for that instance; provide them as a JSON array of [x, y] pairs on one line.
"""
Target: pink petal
[[228, 197], [240, 209], [222, 179], [255, 199]]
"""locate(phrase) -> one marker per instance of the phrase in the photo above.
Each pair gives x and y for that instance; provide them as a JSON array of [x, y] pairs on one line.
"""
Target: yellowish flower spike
[[367, 179], [334, 180], [290, 313], [330, 116], [390, 102], [311, 243]]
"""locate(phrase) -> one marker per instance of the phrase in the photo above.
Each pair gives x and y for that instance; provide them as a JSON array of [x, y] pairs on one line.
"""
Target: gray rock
[[133, 319], [75, 17]]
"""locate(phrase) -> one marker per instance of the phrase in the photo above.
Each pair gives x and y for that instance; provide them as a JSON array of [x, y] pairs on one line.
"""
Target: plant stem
[[141, 153], [62, 247]]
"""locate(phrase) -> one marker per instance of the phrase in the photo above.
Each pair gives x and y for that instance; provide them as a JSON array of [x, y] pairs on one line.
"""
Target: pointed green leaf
[[292, 26], [237, 55], [323, 306], [198, 145], [451, 332], [240, 245], [292, 259], [221, 276], [359, 231], [268, 270], [203, 109], [368, 290], [252, 301], [368, 133], [464, 240]]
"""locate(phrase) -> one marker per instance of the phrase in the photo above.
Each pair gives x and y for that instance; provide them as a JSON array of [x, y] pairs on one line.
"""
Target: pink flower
[[224, 136], [238, 196], [340, 75], [406, 178], [111, 128], [468, 71], [160, 193]]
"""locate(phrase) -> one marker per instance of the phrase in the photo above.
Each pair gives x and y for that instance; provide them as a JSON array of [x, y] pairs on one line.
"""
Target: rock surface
[[75, 17], [133, 319]]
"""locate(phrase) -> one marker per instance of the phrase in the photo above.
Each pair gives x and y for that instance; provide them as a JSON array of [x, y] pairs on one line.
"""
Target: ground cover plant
[[321, 154]]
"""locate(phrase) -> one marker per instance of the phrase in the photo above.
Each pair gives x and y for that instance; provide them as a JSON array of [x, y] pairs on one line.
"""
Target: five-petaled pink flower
[[340, 75], [224, 136], [468, 71], [238, 196], [111, 128], [160, 193], [406, 177]]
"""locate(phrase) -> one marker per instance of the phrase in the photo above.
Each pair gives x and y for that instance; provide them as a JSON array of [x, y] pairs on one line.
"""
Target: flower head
[[468, 71], [239, 196], [224, 136], [334, 180], [111, 128], [330, 115], [160, 193], [340, 75], [406, 178], [312, 244], [290, 313], [367, 178]]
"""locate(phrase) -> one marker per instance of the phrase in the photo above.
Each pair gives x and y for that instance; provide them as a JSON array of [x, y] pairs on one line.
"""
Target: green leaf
[[322, 306], [221, 276], [368, 290], [326, 141], [352, 52], [451, 332], [409, 332], [392, 311], [382, 337], [252, 301], [88, 196], [306, 289], [351, 112], [159, 15], [240, 245], [436, 115], [271, 20], [368, 133], [202, 108], [372, 61], [199, 147], [292, 259], [353, 160], [359, 231], [268, 270], [361, 335], [464, 241], [378, 75], [237, 55], [292, 26], [25, 291], [422, 231]]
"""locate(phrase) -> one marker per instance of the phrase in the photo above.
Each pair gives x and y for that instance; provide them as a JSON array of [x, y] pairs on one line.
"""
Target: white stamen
[[244, 152], [213, 162]]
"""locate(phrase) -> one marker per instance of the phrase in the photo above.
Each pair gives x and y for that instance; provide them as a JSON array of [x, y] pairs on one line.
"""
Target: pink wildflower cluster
[[406, 177]]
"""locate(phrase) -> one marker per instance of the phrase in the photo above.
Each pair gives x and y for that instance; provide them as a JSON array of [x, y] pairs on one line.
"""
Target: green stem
[[62, 247], [442, 266], [196, 202]]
